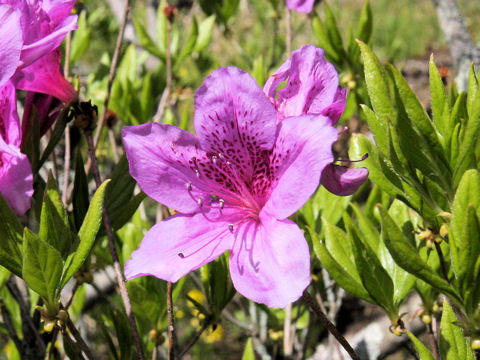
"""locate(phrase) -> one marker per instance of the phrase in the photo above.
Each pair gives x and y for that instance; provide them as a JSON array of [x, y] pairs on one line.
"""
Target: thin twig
[[52, 343], [288, 36], [171, 327], [113, 251], [195, 338], [7, 321], [313, 306], [79, 340], [29, 326], [442, 261], [287, 332], [433, 342], [113, 144], [112, 73], [72, 294]]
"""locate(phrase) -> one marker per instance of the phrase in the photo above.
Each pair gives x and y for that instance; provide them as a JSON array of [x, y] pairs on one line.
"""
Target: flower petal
[[16, 179], [343, 181], [312, 84], [178, 245], [9, 121], [235, 118], [11, 42], [303, 6], [44, 76], [160, 158], [270, 262], [46, 44], [303, 149], [58, 10]]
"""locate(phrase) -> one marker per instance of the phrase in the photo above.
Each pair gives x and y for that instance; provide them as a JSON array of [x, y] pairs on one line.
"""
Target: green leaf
[[205, 31], [465, 245], [54, 224], [80, 39], [466, 153], [422, 350], [365, 23], [374, 277], [80, 198], [146, 41], [11, 235], [42, 268], [338, 261], [472, 89], [248, 353], [88, 232], [189, 46], [161, 27], [259, 71], [453, 344], [323, 39], [379, 93], [406, 256], [332, 30], [439, 100]]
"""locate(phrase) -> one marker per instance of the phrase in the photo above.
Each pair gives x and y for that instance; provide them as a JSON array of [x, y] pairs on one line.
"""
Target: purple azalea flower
[[30, 33], [16, 179], [302, 6], [234, 186], [312, 88]]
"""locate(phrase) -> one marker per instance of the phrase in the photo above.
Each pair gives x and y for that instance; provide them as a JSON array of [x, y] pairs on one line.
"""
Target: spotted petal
[[302, 151], [270, 262], [233, 117], [177, 246], [312, 84]]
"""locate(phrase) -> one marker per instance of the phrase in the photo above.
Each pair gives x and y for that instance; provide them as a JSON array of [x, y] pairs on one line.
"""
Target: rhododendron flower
[[16, 179], [312, 88], [303, 6], [30, 33], [234, 188]]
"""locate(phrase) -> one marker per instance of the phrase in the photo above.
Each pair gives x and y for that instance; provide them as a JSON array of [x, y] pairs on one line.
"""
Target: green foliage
[[11, 235]]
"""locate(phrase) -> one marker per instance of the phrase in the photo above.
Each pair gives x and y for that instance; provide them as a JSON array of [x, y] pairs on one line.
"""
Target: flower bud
[[49, 325], [475, 344], [426, 319], [430, 244], [438, 239], [444, 229], [425, 234]]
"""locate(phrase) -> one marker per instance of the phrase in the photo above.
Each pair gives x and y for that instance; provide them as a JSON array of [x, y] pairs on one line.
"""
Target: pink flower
[[234, 186], [16, 179], [302, 6], [312, 88], [30, 33]]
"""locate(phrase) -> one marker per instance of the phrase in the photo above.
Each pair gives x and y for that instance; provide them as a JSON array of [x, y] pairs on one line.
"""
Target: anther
[[200, 202], [221, 203], [189, 186], [230, 227], [214, 160], [181, 256], [220, 156], [197, 173]]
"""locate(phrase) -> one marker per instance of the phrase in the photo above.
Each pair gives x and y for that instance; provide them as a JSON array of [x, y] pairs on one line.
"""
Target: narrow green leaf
[[374, 277], [205, 31], [341, 268], [365, 23], [80, 198], [332, 30], [80, 39], [161, 27], [422, 350], [42, 267], [11, 235], [438, 99], [466, 153], [248, 353], [406, 256], [472, 89], [465, 245], [189, 45], [54, 224], [323, 39], [378, 91], [57, 135], [146, 41], [87, 234], [453, 344]]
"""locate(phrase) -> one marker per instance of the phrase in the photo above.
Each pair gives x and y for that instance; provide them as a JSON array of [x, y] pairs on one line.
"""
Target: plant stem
[[112, 73], [113, 251], [433, 342], [313, 306], [79, 340], [170, 328], [195, 338], [7, 321]]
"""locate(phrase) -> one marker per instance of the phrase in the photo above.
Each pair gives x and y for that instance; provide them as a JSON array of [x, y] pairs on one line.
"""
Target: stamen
[[182, 255], [230, 227], [221, 203], [189, 186], [354, 161], [200, 202]]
